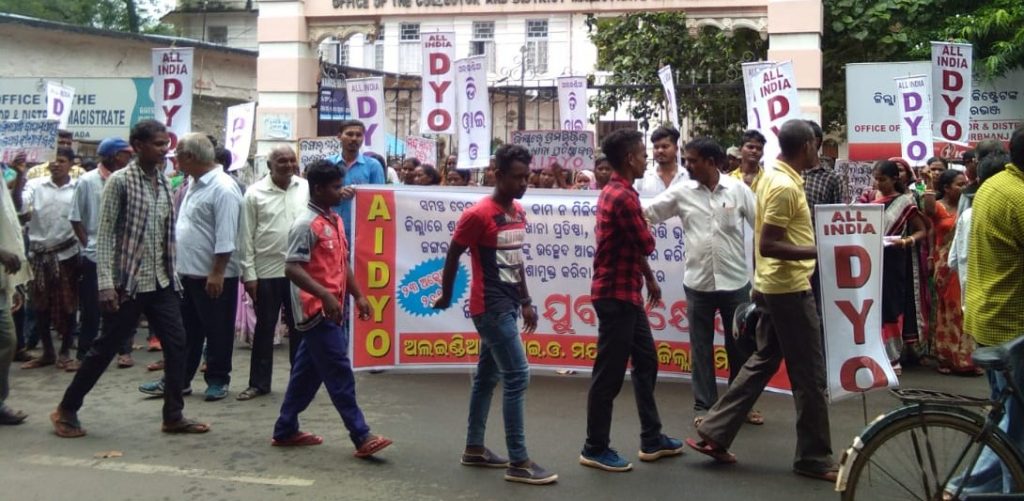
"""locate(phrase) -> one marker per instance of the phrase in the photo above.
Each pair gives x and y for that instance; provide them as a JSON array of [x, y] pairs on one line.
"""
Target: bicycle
[[903, 454]]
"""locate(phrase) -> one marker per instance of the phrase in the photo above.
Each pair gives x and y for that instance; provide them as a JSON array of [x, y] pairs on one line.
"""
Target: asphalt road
[[424, 413]]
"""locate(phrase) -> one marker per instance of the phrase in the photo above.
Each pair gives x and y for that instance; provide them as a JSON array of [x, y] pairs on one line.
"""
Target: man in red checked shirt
[[620, 266]]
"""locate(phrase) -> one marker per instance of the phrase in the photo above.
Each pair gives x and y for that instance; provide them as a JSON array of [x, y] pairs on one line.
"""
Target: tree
[[134, 16], [707, 70], [996, 29]]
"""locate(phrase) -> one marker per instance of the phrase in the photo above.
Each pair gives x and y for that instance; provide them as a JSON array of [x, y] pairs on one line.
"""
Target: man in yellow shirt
[[789, 325], [750, 157]]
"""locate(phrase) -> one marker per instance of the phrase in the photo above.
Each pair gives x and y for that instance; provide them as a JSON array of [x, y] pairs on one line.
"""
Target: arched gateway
[[550, 34]]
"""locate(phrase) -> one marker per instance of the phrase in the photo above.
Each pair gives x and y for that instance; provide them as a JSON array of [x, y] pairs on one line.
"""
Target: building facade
[[231, 23]]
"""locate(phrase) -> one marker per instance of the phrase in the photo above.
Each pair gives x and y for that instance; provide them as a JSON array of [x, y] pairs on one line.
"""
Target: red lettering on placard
[[857, 318], [951, 104], [952, 80], [439, 64], [170, 112], [844, 268], [778, 107], [947, 125], [172, 89], [439, 90], [439, 120], [848, 374]]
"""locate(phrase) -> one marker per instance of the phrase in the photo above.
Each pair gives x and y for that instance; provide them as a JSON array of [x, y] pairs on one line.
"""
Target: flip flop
[[301, 438], [66, 428], [755, 418], [371, 446], [718, 454], [36, 363], [185, 426]]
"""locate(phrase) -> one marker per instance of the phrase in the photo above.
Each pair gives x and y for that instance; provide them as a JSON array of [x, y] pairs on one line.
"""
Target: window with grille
[[409, 54], [341, 53], [537, 45], [217, 34], [482, 43]]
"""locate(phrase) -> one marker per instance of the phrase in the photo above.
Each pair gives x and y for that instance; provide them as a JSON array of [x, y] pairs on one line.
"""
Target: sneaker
[[607, 460], [666, 446], [216, 392], [486, 459], [531, 473], [156, 388]]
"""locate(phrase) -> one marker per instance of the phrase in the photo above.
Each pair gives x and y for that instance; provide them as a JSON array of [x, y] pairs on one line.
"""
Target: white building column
[[794, 33]]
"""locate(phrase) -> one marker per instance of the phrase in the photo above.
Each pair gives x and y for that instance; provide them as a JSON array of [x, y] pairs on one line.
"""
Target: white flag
[[172, 91], [775, 102], [438, 84], [238, 133], [474, 113], [669, 86], [914, 99], [951, 95], [572, 102], [366, 100], [58, 103]]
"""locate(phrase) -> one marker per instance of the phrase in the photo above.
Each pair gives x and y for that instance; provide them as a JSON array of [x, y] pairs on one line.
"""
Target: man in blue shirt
[[359, 169]]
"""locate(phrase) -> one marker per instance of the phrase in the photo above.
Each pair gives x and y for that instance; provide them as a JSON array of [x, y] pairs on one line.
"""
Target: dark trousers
[[163, 310], [19, 327], [89, 311], [322, 358], [209, 320], [622, 334], [700, 312], [788, 331], [271, 295]]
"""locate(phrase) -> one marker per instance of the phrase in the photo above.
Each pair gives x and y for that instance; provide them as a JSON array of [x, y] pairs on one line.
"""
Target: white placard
[[915, 102], [238, 133], [951, 95], [172, 91], [775, 102], [438, 85], [474, 113], [572, 102], [849, 240], [669, 86], [59, 99], [366, 102], [750, 70]]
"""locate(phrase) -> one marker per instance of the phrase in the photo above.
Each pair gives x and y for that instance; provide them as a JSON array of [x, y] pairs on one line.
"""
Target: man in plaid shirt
[[620, 266], [822, 186]]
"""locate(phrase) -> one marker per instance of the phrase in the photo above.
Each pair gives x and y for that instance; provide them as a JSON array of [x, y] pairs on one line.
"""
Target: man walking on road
[[135, 268], [493, 230], [789, 327], [270, 207], [14, 272], [620, 268]]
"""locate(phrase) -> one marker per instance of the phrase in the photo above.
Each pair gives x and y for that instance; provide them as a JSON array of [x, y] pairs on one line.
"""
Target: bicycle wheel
[[914, 456]]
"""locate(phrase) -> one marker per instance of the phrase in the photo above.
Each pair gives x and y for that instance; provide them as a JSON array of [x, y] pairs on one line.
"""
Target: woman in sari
[[904, 228], [950, 346]]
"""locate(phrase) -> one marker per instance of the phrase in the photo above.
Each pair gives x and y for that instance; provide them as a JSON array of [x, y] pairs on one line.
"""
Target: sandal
[[185, 426], [22, 356], [72, 365], [708, 448], [156, 366], [755, 418], [36, 363], [65, 427], [697, 421], [301, 438], [372, 445]]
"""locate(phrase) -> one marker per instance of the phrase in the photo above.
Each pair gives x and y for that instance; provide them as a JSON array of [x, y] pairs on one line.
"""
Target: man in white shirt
[[666, 155], [712, 207], [115, 153], [53, 255], [207, 264], [14, 272], [270, 207]]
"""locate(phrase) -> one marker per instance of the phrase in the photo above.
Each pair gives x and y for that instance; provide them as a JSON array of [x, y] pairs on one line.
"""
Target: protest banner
[[750, 70], [573, 150], [849, 240], [951, 94], [438, 84], [669, 86], [366, 101], [58, 103], [312, 149], [172, 89], [775, 101], [422, 149], [37, 139], [474, 113], [856, 177], [572, 102], [915, 118], [238, 133], [102, 107], [401, 239]]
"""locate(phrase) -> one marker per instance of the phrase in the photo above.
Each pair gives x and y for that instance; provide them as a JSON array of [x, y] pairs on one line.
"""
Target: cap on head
[[112, 146]]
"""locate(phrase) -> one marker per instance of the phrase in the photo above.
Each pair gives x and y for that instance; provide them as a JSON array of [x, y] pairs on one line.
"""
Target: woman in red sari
[[904, 227], [950, 346]]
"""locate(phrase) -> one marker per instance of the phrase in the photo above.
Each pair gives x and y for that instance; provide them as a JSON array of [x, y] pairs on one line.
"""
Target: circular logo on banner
[[419, 288], [572, 100], [473, 151], [470, 87]]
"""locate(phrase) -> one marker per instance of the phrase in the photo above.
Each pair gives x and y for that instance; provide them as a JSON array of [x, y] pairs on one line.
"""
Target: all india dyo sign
[[951, 77], [915, 118], [366, 100], [850, 247], [438, 87], [172, 89], [774, 101]]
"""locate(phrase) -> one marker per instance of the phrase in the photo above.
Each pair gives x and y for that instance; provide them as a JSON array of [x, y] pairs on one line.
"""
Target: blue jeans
[[501, 357], [322, 358], [989, 475]]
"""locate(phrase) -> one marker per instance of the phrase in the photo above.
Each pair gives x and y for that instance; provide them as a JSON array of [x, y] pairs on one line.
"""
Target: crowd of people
[[88, 251]]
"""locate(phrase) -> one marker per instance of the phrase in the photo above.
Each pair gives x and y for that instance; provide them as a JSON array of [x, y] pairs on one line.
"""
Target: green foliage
[[707, 70], [996, 28], [121, 15]]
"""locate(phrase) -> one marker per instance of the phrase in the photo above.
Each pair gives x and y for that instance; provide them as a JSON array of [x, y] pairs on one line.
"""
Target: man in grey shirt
[[115, 153], [207, 264]]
